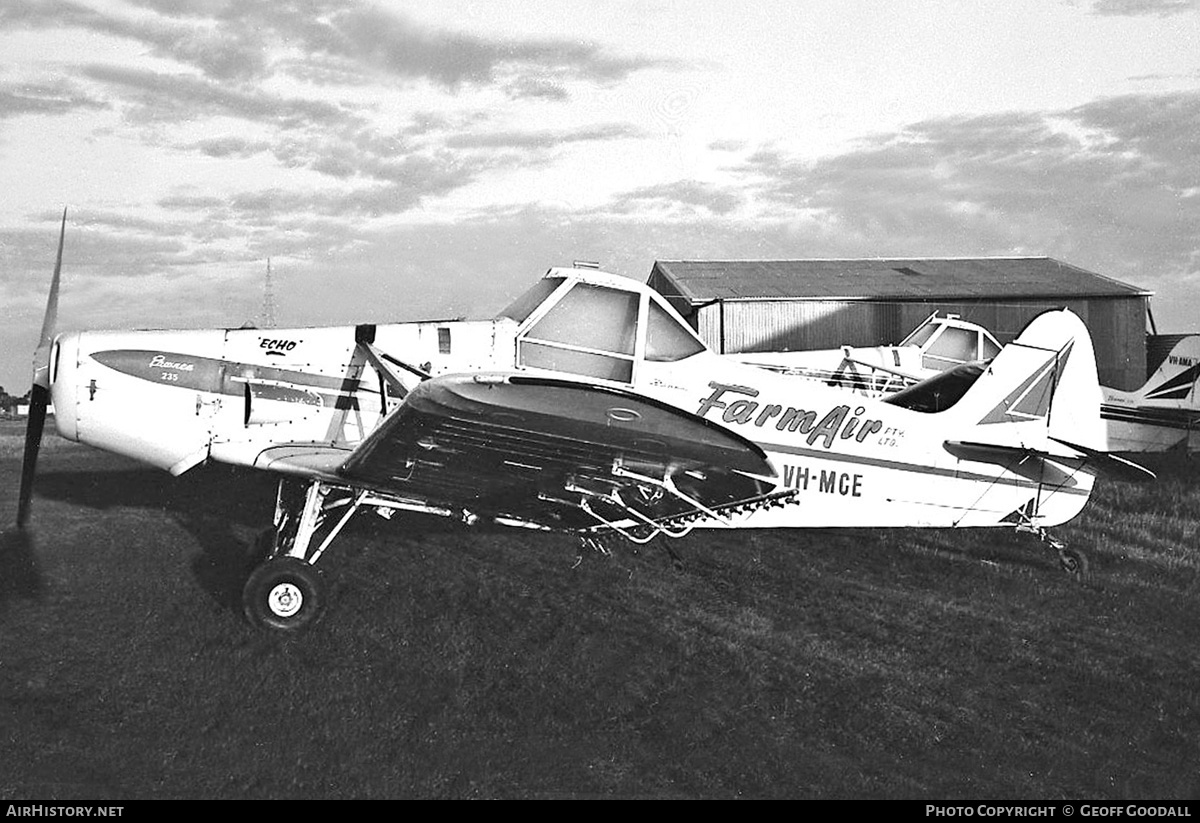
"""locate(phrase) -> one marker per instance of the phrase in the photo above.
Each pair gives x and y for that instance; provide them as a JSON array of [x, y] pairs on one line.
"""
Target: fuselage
[[1136, 423], [174, 399]]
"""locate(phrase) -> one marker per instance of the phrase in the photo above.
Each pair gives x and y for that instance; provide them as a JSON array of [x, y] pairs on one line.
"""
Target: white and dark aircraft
[[1163, 415], [939, 343], [587, 406]]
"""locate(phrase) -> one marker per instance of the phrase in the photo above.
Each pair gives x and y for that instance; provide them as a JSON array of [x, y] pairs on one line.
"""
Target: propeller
[[39, 394]]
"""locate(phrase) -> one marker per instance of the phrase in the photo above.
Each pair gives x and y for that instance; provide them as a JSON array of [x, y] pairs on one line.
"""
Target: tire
[[1074, 563], [284, 594]]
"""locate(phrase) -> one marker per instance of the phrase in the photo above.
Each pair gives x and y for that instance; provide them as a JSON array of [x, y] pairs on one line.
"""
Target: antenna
[[268, 309]]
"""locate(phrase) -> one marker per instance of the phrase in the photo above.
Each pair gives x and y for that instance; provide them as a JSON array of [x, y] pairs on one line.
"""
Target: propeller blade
[[39, 393], [41, 357], [39, 400]]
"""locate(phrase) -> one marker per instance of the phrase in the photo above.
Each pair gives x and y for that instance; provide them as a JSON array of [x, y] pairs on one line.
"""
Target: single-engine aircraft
[[939, 343], [1163, 415], [588, 406]]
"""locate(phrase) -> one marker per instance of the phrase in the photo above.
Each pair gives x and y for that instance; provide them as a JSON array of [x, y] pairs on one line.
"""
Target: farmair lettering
[[836, 424]]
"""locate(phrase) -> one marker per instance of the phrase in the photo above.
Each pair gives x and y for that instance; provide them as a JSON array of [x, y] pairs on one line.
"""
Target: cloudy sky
[[420, 159]]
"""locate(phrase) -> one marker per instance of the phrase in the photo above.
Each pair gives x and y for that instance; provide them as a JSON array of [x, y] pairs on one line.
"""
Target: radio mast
[[268, 309]]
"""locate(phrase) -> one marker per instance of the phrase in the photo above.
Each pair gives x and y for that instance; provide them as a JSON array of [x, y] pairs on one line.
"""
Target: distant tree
[[9, 403]]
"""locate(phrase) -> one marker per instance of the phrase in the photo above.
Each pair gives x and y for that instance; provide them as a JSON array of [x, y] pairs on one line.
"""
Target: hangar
[[790, 305]]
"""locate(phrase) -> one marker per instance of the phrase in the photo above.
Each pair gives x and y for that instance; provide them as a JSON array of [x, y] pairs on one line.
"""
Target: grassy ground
[[851, 663]]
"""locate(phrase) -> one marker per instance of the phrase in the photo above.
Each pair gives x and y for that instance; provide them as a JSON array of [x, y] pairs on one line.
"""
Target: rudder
[[1042, 385], [1176, 377]]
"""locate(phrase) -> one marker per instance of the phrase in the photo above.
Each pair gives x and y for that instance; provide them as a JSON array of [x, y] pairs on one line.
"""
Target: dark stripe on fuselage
[[216, 376], [1149, 416], [913, 468]]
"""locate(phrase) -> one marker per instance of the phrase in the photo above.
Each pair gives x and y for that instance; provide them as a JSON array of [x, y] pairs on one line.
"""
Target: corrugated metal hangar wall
[[792, 305]]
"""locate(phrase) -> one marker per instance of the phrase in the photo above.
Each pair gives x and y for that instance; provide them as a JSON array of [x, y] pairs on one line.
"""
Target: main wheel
[[285, 594]]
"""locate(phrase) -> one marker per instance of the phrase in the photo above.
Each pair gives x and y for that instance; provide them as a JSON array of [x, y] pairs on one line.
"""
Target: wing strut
[[385, 366]]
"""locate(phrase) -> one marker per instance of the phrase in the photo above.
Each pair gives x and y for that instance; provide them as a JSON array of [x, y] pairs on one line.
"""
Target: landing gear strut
[[1072, 561], [287, 591]]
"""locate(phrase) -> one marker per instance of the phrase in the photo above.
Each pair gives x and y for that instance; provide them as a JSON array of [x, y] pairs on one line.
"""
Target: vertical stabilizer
[[1175, 378], [1042, 386]]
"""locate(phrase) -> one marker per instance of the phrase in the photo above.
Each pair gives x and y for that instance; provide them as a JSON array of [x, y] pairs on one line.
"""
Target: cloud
[[1130, 8], [220, 51], [686, 196], [58, 97], [377, 167], [177, 97], [97, 246], [404, 48], [1111, 185], [231, 146], [542, 139], [536, 88], [339, 43], [393, 173], [1161, 128]]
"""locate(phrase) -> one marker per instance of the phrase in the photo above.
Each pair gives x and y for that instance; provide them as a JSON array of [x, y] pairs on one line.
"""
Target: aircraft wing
[[557, 454]]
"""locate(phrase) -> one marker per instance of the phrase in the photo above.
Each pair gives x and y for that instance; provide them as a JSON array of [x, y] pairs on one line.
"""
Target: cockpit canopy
[[597, 326], [946, 342]]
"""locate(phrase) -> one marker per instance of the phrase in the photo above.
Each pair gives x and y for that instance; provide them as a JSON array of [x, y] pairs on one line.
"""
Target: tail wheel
[[286, 594], [1074, 563]]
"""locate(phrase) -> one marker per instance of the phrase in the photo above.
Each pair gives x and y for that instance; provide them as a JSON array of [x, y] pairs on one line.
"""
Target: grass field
[[455, 663]]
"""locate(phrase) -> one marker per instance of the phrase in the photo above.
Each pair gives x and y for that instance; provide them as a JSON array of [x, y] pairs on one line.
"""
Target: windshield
[[591, 331], [666, 340], [921, 334], [524, 305]]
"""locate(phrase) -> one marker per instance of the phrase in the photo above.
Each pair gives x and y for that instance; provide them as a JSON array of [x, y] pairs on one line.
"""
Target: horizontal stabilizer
[[1112, 465], [1031, 464]]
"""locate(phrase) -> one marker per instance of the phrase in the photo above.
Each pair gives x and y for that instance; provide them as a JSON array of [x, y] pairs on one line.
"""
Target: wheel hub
[[285, 600]]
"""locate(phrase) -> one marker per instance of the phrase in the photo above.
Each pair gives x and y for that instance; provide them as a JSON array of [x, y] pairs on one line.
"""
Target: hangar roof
[[912, 279]]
